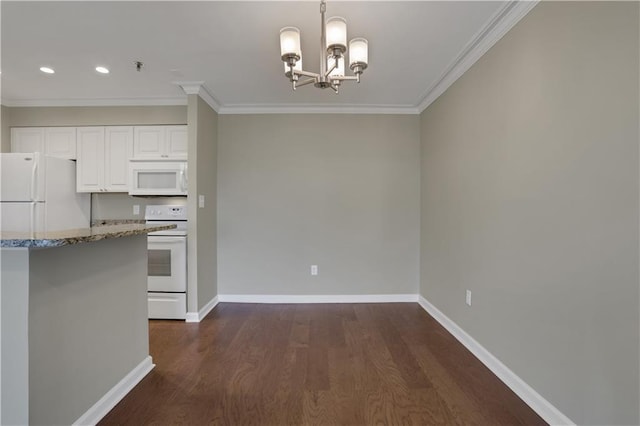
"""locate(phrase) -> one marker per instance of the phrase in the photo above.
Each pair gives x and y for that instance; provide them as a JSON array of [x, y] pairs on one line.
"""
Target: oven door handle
[[178, 239]]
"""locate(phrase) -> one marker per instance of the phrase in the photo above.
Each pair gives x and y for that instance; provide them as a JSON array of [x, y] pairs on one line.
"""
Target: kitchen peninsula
[[74, 322]]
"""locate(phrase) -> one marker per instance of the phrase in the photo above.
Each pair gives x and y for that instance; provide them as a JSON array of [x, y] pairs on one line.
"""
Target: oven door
[[167, 268]]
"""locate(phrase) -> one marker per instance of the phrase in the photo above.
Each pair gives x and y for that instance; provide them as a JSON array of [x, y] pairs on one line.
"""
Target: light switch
[[136, 209], [201, 201]]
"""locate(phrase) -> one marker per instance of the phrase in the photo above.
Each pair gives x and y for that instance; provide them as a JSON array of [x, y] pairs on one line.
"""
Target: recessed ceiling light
[[102, 70], [47, 70]]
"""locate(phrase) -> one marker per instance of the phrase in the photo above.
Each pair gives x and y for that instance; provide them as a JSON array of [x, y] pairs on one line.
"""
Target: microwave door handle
[[183, 182]]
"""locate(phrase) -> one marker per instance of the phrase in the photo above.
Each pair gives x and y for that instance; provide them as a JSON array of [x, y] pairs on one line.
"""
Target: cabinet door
[[148, 141], [118, 150], [90, 163], [60, 142], [27, 139], [176, 142]]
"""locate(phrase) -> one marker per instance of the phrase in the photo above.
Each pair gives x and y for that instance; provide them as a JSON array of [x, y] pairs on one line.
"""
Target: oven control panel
[[165, 212]]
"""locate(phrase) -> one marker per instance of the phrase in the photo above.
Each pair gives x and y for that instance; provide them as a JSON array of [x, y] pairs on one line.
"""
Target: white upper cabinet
[[160, 142], [176, 141], [54, 141], [118, 151], [27, 139], [103, 158], [148, 141], [60, 142], [90, 163]]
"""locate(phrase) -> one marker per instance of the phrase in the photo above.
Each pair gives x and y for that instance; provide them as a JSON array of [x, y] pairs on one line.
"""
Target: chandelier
[[333, 46]]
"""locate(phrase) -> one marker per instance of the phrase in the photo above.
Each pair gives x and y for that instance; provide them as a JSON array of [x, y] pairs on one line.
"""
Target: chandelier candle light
[[333, 46]]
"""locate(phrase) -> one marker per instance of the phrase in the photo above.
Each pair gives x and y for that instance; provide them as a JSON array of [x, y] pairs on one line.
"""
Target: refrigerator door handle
[[34, 182], [32, 219]]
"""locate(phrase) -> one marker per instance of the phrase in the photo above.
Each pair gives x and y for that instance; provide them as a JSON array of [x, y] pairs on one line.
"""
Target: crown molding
[[198, 88], [94, 102], [195, 89], [319, 109], [190, 87], [495, 28]]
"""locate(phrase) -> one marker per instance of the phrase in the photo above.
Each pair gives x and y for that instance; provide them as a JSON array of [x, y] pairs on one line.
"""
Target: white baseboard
[[317, 298], [533, 399], [119, 391], [199, 316]]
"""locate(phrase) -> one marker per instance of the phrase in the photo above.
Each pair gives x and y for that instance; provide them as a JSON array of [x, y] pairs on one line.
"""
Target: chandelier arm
[[305, 82], [345, 77], [335, 65], [306, 73], [335, 88]]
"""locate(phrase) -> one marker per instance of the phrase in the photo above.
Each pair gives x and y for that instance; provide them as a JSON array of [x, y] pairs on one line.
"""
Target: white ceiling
[[415, 49]]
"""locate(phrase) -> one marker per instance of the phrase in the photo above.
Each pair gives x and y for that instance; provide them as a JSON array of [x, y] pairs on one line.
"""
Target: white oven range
[[167, 257]]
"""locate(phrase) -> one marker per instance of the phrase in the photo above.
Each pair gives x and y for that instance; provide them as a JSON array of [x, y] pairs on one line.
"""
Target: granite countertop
[[101, 222], [76, 236]]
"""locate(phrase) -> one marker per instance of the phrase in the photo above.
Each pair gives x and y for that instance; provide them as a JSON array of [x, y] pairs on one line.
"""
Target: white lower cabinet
[[103, 158], [167, 305]]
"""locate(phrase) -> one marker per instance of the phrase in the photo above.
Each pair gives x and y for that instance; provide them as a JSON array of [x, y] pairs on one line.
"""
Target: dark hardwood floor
[[332, 364]]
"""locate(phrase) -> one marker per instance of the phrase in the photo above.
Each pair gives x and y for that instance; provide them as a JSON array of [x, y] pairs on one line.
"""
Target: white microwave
[[164, 177]]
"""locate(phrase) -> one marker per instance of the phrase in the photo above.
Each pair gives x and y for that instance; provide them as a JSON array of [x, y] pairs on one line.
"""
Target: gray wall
[[338, 191], [202, 255], [530, 200], [14, 336], [96, 116], [87, 324]]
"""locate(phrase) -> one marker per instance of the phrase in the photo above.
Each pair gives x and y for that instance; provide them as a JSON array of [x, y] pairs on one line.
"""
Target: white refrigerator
[[38, 194]]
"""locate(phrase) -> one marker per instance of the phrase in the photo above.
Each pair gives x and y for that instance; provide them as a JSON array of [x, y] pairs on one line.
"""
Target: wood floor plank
[[342, 364], [461, 406], [400, 353]]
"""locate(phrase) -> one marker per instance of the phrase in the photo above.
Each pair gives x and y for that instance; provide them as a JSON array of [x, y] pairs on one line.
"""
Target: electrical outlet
[[201, 201], [314, 269], [468, 298], [136, 209]]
